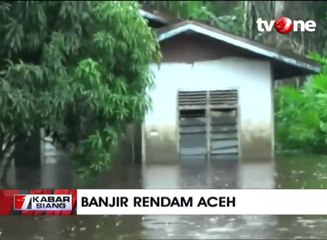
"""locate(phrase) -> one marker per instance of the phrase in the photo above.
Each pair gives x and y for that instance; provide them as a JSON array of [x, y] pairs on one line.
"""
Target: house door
[[207, 123]]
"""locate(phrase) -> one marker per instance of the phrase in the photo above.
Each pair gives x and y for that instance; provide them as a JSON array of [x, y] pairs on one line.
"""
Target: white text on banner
[[201, 202]]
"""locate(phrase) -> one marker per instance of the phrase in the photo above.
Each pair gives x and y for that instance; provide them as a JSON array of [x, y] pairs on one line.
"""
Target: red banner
[[60, 202]]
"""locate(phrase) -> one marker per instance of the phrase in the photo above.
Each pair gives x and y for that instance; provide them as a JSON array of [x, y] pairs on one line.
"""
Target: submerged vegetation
[[301, 113]]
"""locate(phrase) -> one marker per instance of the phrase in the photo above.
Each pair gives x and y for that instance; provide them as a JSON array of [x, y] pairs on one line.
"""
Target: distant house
[[214, 95]]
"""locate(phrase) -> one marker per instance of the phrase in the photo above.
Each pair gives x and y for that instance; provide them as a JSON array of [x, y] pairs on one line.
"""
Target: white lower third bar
[[201, 202]]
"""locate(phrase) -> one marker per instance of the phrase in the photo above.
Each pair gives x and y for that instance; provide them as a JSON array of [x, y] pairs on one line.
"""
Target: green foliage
[[226, 15], [317, 11], [78, 69], [231, 22], [301, 114]]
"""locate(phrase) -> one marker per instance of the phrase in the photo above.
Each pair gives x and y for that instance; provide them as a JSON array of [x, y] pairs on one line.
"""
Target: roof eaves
[[152, 16], [170, 31]]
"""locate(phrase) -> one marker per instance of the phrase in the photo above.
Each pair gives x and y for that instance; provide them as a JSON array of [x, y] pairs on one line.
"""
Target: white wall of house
[[252, 78]]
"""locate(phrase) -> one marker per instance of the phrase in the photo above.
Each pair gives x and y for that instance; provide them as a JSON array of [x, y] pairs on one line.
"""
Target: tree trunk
[[5, 172], [27, 153]]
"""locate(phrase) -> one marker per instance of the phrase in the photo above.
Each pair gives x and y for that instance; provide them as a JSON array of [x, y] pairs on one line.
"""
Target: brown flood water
[[286, 172]]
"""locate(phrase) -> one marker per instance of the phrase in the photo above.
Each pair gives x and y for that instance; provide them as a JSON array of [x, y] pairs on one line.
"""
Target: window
[[207, 124]]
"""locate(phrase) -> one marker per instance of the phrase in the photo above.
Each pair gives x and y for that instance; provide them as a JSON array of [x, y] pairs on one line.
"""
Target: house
[[214, 95]]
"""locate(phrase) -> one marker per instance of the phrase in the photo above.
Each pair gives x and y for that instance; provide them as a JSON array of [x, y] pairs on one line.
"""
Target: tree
[[226, 15], [79, 70], [240, 17]]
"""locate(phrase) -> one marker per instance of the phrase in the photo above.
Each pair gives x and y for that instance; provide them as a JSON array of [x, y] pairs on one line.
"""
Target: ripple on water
[[255, 224], [213, 220], [282, 229], [185, 227], [222, 229]]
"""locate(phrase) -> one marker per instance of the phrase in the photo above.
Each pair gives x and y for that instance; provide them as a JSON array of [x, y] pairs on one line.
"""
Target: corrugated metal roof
[[298, 63]]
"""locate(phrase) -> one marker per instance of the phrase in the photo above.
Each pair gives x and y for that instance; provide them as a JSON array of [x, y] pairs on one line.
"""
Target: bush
[[301, 114]]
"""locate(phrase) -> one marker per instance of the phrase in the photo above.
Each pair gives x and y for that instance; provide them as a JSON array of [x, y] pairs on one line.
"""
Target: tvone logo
[[284, 25]]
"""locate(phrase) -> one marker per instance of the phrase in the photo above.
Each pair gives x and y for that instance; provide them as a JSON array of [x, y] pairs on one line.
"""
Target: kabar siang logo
[[42, 202], [284, 25]]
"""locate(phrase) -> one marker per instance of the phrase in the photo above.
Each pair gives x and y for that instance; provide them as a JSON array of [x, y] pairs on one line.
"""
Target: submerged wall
[[252, 79]]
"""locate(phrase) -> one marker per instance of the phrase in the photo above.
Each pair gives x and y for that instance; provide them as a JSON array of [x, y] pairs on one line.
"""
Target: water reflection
[[284, 173], [215, 175], [256, 175]]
